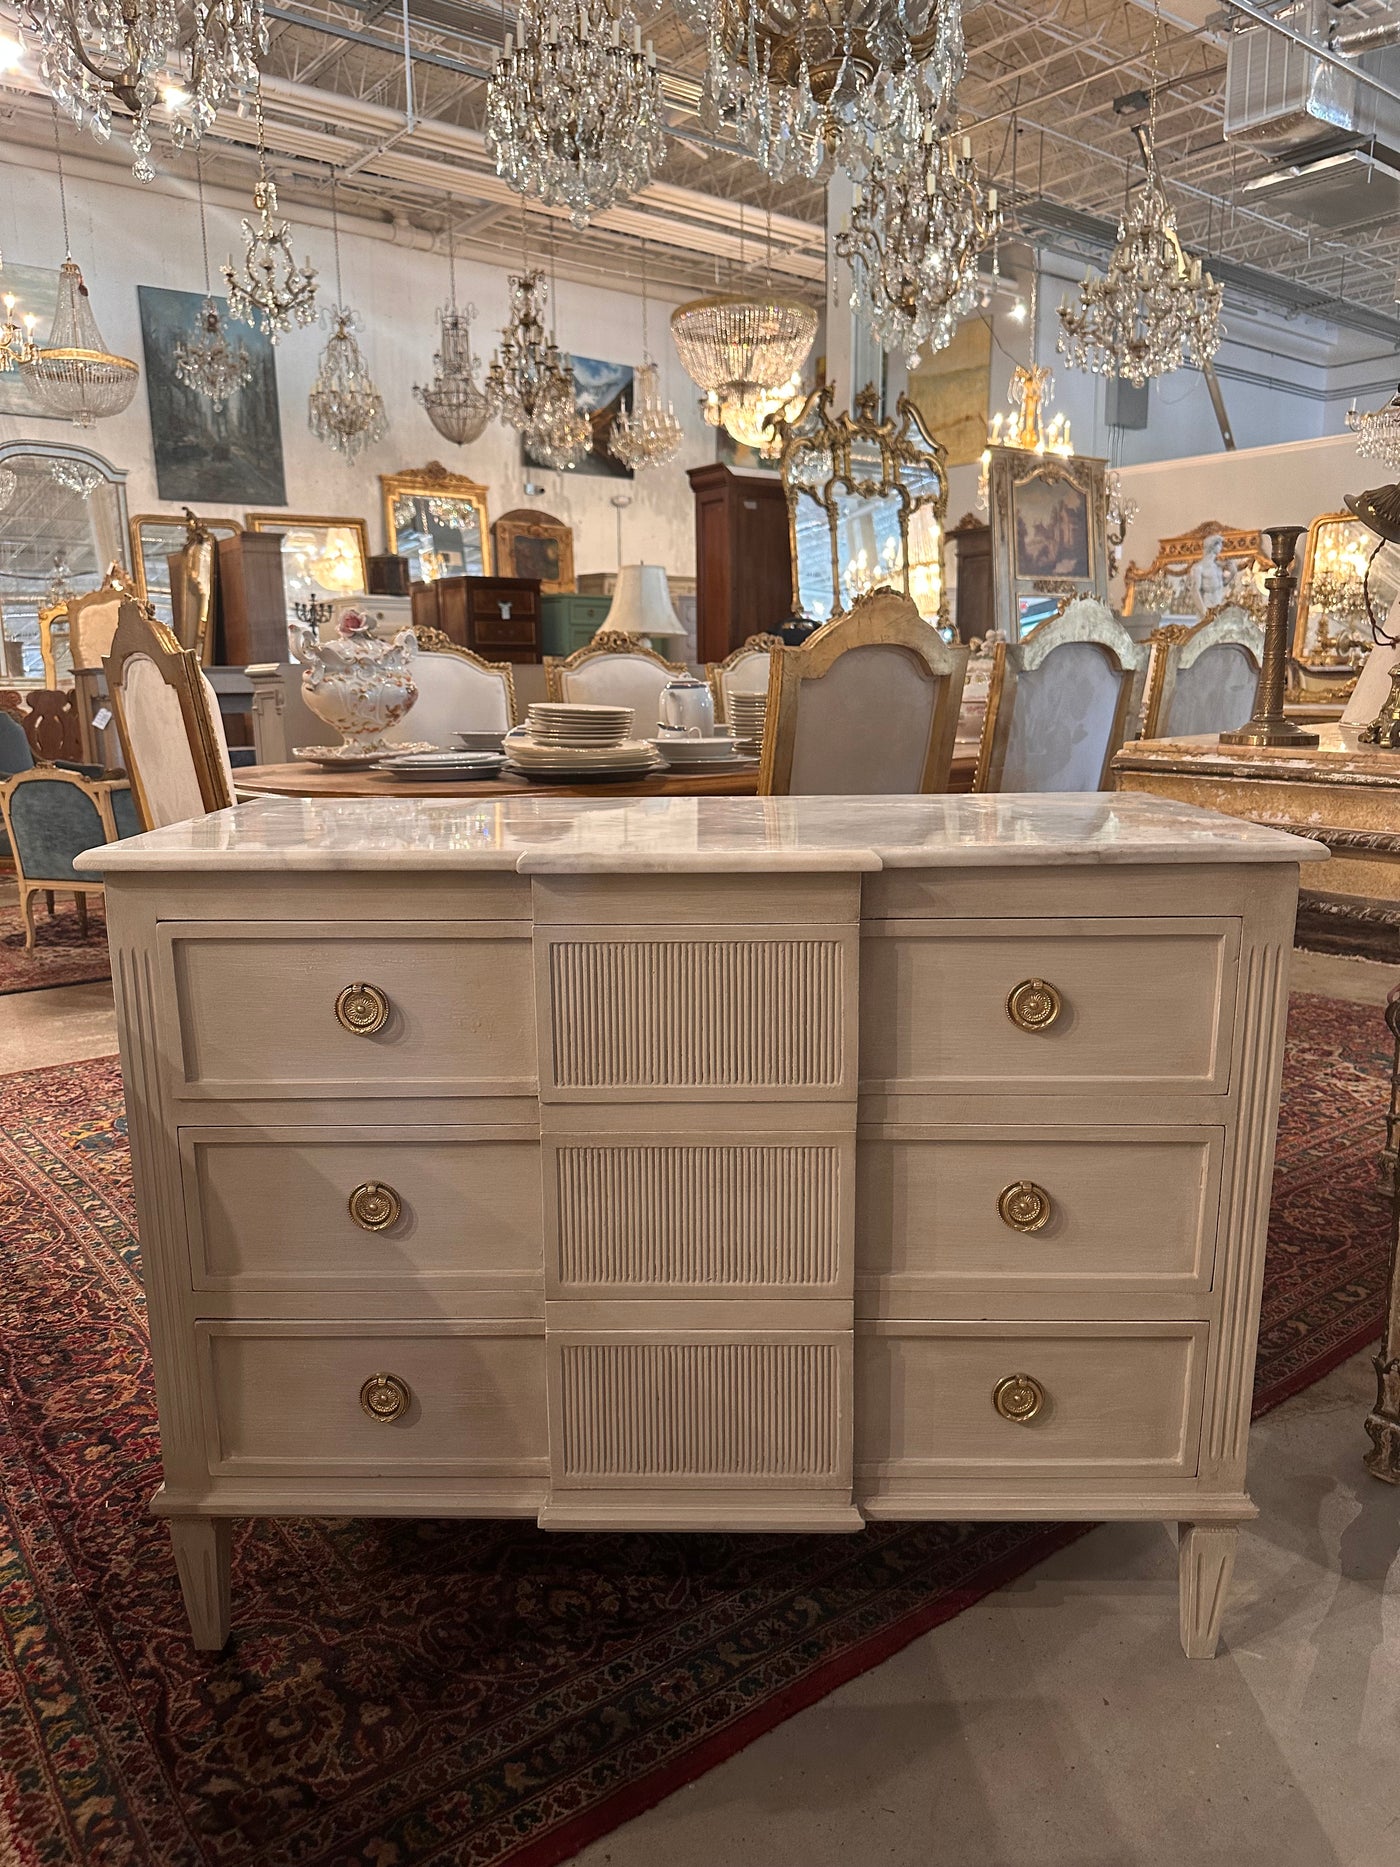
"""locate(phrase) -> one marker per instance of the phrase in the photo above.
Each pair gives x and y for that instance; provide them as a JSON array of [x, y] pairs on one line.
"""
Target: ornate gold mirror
[[867, 500], [437, 520], [321, 557], [1332, 629], [1049, 522], [62, 524], [156, 538], [1196, 571]]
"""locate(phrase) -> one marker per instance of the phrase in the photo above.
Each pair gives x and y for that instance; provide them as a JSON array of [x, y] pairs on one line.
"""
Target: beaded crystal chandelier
[[1154, 310], [918, 226], [1377, 431], [270, 290], [344, 409], [803, 83], [208, 359], [561, 433], [737, 347], [194, 54], [749, 419], [75, 476], [456, 402], [527, 374], [574, 109], [650, 434]]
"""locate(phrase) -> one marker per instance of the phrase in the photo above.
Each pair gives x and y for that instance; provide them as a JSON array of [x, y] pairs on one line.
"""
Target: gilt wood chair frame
[[881, 619], [1177, 645], [138, 634], [605, 642], [60, 616], [1085, 619], [99, 790], [434, 642]]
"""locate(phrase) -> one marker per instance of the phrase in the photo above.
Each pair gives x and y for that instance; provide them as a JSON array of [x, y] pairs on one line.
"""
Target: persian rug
[[61, 956], [446, 1694]]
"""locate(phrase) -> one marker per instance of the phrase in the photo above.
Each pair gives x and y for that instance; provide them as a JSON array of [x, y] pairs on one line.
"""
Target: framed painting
[[602, 390], [535, 544], [437, 520], [321, 557], [1049, 521], [225, 455]]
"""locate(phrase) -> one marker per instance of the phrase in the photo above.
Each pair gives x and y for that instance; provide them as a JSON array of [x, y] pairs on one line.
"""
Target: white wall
[[123, 237]]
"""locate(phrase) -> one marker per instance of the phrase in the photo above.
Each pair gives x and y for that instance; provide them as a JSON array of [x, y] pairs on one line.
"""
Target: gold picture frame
[[1034, 498], [155, 537], [424, 507], [535, 544], [322, 557]]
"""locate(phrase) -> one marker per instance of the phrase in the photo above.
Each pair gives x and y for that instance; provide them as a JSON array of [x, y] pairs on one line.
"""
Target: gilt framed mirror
[[437, 520], [63, 524], [1195, 572], [867, 503], [157, 537], [1331, 628], [322, 558]]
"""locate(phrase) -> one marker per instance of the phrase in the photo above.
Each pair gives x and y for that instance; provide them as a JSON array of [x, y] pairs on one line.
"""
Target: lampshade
[[641, 603]]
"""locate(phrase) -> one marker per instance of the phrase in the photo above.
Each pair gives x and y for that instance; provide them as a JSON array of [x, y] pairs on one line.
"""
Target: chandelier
[[271, 290], [917, 229], [561, 433], [207, 359], [1154, 310], [95, 52], [803, 83], [574, 111], [751, 418], [75, 477], [456, 403], [1024, 426], [735, 347], [527, 374], [344, 409], [651, 433], [1378, 431], [74, 373], [17, 345]]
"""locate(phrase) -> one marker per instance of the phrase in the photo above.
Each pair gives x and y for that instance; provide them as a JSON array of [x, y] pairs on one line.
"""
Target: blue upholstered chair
[[51, 816]]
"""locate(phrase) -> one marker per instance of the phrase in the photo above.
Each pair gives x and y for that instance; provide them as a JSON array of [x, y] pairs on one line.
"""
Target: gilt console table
[[701, 1163]]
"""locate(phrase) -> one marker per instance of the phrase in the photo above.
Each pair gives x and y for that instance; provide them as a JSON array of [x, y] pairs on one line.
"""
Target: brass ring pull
[[1018, 1398], [374, 1206], [1024, 1206], [1033, 1005], [362, 1009], [385, 1397]]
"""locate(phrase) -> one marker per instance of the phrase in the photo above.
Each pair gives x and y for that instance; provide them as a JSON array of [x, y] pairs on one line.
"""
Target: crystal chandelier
[[1120, 511], [207, 359], [344, 409], [17, 345], [93, 52], [75, 477], [1031, 393], [803, 83], [917, 229], [525, 376], [271, 291], [456, 403], [1378, 431], [574, 110], [747, 418], [561, 433], [737, 348], [650, 434], [1154, 310]]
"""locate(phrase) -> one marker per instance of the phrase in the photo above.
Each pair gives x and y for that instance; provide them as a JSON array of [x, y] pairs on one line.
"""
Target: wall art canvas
[[603, 390], [231, 455], [951, 390], [36, 291], [1052, 530]]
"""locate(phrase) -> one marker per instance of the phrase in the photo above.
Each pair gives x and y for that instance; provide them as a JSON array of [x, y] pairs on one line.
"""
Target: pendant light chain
[[62, 185]]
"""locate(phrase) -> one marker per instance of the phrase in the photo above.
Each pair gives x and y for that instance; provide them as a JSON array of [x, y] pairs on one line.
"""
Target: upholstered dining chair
[[614, 669], [1061, 703], [78, 633], [50, 818], [743, 672], [1203, 679], [457, 692], [868, 706], [167, 715]]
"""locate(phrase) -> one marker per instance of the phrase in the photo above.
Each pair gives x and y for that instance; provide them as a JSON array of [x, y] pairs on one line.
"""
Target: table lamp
[[642, 605]]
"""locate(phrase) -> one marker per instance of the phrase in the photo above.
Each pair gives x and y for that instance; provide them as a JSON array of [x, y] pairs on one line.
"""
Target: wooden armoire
[[742, 557]]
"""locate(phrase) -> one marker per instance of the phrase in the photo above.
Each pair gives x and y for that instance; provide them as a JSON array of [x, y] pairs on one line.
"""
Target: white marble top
[[658, 834]]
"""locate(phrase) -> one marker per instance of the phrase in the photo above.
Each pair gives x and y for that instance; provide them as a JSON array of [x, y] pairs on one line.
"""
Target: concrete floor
[[1057, 1724]]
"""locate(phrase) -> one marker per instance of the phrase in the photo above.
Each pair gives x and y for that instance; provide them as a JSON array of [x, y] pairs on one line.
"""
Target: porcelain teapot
[[687, 706], [354, 681]]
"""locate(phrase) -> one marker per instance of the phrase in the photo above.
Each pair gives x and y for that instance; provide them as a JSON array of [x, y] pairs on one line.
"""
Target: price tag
[[102, 719]]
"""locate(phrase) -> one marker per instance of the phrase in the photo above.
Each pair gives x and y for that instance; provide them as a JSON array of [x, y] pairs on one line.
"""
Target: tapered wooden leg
[[81, 900], [1206, 1554], [203, 1546], [27, 907], [48, 901]]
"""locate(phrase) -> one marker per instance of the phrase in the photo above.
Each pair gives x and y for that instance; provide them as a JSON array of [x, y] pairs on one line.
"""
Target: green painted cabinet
[[570, 622]]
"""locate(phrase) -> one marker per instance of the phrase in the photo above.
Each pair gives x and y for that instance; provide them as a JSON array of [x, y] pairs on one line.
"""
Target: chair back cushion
[[52, 820], [620, 680], [159, 747], [91, 626], [863, 727], [748, 675], [454, 695], [1063, 720], [15, 754], [1214, 694]]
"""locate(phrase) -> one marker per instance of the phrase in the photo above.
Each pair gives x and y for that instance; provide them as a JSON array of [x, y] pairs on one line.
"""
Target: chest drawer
[[312, 1009], [1076, 1400], [1134, 1007], [321, 1399], [345, 1208], [1039, 1208]]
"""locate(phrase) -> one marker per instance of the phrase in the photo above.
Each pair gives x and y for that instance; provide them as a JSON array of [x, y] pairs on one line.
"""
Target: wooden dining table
[[305, 780]]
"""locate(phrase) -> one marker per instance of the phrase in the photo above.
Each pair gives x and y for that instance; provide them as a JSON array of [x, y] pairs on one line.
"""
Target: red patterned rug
[[458, 1694], [61, 956]]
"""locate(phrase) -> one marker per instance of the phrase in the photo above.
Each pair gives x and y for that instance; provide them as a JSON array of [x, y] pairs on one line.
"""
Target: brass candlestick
[[1270, 726]]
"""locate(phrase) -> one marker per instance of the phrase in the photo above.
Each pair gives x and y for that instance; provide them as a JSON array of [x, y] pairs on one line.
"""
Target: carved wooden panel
[[669, 1214], [736, 1412]]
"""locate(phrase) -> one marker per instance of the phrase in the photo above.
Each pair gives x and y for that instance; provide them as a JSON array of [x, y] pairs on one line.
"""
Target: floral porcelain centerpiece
[[357, 683]]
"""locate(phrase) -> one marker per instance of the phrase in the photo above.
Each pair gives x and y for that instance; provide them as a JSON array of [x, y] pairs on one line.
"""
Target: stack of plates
[[632, 758], [443, 765], [746, 715], [566, 723]]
